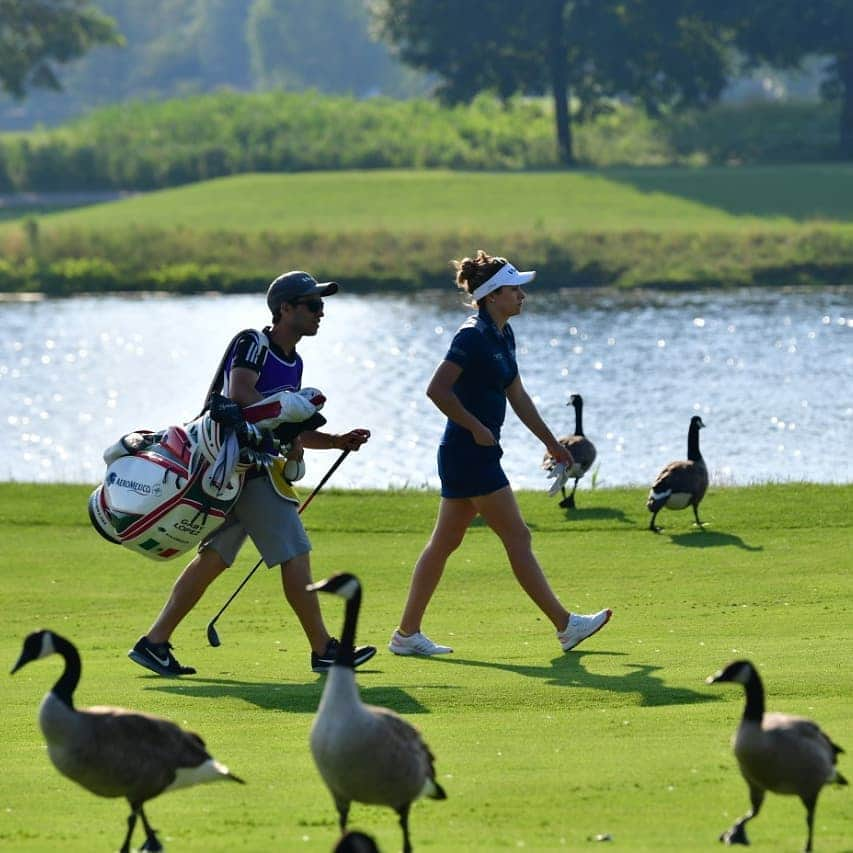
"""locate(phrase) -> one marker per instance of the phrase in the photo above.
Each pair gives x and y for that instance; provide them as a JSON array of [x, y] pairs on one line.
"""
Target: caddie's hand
[[351, 440]]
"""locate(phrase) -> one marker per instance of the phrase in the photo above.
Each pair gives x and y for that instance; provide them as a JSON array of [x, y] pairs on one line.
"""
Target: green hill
[[622, 227]]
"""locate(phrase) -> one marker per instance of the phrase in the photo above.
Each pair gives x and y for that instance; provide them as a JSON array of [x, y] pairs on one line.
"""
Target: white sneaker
[[416, 644], [580, 627]]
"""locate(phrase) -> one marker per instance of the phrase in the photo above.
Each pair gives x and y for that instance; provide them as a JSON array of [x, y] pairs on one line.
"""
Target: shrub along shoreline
[[75, 261]]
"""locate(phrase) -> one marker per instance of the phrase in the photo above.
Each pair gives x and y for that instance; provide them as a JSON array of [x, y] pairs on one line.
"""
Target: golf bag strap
[[218, 382]]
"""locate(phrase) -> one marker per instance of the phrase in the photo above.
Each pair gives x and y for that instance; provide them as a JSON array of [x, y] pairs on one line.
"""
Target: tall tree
[[783, 33], [35, 35], [320, 44], [666, 54]]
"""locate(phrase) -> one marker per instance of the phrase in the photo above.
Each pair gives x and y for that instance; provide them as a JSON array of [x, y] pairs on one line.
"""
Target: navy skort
[[468, 471]]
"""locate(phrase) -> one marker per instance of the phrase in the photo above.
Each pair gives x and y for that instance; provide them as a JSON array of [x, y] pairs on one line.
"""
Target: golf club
[[212, 634]]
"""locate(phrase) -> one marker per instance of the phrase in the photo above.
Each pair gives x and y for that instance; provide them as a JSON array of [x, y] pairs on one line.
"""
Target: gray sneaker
[[416, 644], [580, 627]]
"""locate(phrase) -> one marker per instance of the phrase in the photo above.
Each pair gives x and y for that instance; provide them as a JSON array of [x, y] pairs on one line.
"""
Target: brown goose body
[[581, 449], [365, 753], [682, 483], [113, 752], [780, 753]]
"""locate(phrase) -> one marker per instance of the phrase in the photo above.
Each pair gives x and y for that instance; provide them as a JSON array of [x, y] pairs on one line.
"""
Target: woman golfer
[[471, 386]]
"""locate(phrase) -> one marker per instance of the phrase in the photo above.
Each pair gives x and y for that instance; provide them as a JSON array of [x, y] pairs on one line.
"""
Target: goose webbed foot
[[569, 502], [735, 835], [655, 528], [152, 843]]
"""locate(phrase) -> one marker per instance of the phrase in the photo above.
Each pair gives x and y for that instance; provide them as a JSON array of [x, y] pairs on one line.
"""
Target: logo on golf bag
[[163, 492], [158, 499]]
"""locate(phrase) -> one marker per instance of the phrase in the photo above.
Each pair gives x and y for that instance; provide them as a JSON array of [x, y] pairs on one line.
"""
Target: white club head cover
[[284, 407], [560, 473], [294, 470]]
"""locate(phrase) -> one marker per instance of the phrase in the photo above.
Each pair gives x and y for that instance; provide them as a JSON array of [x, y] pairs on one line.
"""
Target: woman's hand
[[483, 436], [560, 454]]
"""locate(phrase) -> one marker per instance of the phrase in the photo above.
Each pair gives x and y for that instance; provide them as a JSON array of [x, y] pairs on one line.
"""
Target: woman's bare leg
[[501, 512], [454, 517]]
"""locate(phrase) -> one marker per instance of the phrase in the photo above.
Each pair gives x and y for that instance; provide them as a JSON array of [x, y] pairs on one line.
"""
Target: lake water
[[770, 372]]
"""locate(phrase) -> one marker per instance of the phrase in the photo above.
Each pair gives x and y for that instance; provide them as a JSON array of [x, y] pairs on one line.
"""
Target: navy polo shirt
[[487, 358]]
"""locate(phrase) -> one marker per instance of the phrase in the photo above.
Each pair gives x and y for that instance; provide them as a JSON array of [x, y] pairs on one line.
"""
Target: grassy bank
[[622, 227], [535, 748]]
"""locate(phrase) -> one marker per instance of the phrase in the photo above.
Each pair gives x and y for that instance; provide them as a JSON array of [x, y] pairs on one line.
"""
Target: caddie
[[258, 365]]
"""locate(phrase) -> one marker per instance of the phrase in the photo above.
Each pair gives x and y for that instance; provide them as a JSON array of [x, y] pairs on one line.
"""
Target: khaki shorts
[[272, 523]]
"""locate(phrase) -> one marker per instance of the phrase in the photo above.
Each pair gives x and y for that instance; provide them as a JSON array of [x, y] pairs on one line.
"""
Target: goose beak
[[715, 678]]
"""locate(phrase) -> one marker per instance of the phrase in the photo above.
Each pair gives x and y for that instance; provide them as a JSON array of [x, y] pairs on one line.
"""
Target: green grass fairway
[[537, 750], [655, 199]]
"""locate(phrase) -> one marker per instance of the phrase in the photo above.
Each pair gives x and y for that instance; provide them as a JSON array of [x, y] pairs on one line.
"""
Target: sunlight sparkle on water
[[102, 372]]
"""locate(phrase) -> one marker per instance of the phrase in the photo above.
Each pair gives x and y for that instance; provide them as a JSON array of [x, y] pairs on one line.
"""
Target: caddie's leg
[[501, 512], [295, 577], [186, 592], [454, 517]]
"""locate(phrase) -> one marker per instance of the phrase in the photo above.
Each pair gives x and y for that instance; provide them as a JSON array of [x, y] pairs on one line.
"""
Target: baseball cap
[[294, 285], [506, 275]]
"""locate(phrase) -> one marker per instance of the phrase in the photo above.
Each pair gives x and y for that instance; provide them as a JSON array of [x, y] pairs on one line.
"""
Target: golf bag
[[163, 492]]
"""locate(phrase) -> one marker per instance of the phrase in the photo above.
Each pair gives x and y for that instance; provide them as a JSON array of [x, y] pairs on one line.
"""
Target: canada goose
[[113, 752], [681, 483], [581, 448], [365, 753], [777, 752]]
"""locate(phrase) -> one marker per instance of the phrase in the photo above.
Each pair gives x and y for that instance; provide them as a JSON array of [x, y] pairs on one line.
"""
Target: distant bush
[[145, 146], [624, 259]]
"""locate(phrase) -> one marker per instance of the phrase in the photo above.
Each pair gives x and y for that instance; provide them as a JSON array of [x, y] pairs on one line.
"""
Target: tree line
[[588, 56]]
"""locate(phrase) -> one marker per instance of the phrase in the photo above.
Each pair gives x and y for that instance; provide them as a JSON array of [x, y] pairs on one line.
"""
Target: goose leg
[[737, 834], [403, 811], [343, 813], [131, 823], [569, 502], [809, 802], [152, 843], [699, 522], [652, 526]]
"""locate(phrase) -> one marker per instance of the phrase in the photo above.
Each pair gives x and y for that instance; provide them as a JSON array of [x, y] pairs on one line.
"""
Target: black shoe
[[158, 658], [322, 663]]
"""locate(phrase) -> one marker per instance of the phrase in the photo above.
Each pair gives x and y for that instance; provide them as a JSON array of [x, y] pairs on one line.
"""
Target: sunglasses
[[315, 306]]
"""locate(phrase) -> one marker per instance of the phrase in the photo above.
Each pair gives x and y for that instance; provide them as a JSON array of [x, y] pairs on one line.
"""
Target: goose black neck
[[578, 417], [346, 650], [693, 453], [754, 710], [68, 681]]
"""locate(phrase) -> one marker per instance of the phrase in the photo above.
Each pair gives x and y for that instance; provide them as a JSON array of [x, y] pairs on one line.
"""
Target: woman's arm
[[440, 391], [528, 414]]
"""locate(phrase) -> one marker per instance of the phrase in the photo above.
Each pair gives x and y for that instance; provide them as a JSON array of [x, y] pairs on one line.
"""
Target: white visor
[[506, 275]]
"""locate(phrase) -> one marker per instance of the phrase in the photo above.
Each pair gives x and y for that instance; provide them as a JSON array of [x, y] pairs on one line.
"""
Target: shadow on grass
[[710, 539], [296, 698], [597, 513], [567, 670]]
